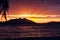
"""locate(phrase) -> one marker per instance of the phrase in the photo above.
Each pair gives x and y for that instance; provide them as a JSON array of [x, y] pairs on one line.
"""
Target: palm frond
[[0, 2]]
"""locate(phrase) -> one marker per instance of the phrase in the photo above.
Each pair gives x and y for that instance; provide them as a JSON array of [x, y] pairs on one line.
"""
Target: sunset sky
[[46, 11]]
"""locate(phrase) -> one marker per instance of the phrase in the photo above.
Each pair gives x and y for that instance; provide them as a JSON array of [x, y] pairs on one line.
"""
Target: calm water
[[28, 31]]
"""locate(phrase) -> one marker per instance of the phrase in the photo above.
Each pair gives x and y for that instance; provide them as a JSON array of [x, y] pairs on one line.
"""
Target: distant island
[[26, 22], [17, 22]]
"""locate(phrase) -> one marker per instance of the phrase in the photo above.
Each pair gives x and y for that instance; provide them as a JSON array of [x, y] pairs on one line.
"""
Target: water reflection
[[28, 31]]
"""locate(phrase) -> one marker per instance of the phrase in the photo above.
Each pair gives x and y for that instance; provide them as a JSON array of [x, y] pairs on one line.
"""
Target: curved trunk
[[4, 6], [5, 15]]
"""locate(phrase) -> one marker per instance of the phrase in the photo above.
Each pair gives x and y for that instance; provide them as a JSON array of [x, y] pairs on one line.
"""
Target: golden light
[[45, 20], [35, 18], [27, 15]]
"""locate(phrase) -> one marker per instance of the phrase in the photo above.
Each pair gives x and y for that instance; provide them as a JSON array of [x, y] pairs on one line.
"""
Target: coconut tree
[[4, 6]]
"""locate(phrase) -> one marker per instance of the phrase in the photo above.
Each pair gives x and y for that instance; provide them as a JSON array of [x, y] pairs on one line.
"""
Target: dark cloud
[[56, 2], [53, 1]]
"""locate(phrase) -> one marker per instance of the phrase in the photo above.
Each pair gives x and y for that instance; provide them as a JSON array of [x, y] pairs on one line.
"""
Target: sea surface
[[28, 31]]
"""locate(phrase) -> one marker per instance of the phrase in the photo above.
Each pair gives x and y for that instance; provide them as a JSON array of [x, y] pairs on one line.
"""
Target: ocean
[[28, 31]]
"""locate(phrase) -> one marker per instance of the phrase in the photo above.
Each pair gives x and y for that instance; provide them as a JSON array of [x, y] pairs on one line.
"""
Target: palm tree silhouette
[[4, 6]]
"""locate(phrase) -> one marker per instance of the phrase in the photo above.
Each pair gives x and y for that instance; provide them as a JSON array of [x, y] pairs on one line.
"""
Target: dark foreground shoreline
[[22, 28], [28, 31], [36, 38], [26, 22]]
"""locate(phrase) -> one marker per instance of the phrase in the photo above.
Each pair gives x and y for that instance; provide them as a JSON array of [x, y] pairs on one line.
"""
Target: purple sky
[[51, 7]]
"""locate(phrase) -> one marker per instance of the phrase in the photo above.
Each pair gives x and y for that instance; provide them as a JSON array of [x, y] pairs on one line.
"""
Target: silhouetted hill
[[53, 24], [50, 24], [17, 22], [26, 22]]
